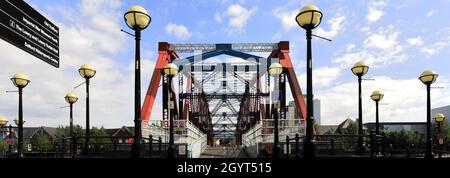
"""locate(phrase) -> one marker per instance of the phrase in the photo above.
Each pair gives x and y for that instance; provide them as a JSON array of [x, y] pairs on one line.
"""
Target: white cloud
[[218, 17], [350, 47], [179, 31], [406, 101], [287, 18], [380, 48], [435, 48], [238, 17], [385, 38], [417, 41], [336, 25], [375, 10], [82, 42], [431, 13], [322, 76]]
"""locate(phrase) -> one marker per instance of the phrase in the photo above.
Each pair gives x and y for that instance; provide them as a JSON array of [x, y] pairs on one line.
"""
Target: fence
[[337, 146], [185, 133], [260, 137], [112, 147]]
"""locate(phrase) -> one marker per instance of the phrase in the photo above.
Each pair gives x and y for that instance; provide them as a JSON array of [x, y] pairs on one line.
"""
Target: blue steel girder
[[189, 60], [231, 107], [218, 120], [216, 108], [231, 122], [209, 77], [210, 67], [220, 49], [221, 115]]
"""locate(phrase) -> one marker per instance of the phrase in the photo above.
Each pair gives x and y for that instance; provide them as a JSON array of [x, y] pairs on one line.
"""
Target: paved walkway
[[224, 152]]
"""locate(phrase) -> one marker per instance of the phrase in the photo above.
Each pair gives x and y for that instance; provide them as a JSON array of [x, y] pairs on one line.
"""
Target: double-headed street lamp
[[360, 69], [3, 122], [275, 70], [87, 71], [170, 70], [20, 81], [377, 96], [137, 19], [428, 77], [71, 98], [439, 118], [309, 18]]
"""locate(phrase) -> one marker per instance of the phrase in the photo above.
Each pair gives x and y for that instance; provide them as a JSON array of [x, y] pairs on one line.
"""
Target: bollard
[[287, 146], [372, 143], [383, 143], [150, 146], [408, 152], [115, 148], [332, 146], [57, 151], [159, 146], [297, 138], [74, 146], [390, 150], [63, 146]]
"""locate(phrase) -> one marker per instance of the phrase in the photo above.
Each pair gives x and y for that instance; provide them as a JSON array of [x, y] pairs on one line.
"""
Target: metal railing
[[263, 131], [184, 133], [115, 147]]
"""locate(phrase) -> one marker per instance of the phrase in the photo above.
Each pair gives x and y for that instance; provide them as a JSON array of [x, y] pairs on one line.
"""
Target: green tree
[[99, 132], [99, 143], [352, 128], [65, 130], [403, 139], [42, 142], [316, 128], [3, 147]]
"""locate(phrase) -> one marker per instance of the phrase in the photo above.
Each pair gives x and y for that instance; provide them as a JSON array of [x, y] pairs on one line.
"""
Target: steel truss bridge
[[226, 100]]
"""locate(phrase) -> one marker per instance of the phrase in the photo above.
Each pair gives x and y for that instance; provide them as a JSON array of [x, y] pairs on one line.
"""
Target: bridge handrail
[[263, 130]]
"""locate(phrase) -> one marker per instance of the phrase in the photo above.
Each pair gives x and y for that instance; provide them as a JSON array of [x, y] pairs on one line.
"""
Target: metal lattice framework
[[222, 99]]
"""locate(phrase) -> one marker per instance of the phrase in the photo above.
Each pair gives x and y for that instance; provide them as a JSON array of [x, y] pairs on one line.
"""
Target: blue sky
[[398, 39]]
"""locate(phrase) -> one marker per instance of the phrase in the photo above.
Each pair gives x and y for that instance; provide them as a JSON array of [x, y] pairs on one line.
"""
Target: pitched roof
[[50, 130], [325, 128], [29, 132], [345, 124], [114, 131]]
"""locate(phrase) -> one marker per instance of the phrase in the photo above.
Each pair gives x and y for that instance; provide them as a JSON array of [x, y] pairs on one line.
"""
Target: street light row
[[427, 77], [4, 121], [22, 80]]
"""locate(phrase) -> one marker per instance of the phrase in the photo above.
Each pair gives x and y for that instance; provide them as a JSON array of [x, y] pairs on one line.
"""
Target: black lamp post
[[276, 69], [360, 69], [71, 98], [20, 81], [377, 96], [309, 18], [87, 71], [137, 19], [428, 77], [10, 138], [439, 118], [171, 70]]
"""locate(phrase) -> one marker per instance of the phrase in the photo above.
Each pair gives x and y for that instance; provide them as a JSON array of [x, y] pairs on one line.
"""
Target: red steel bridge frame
[[196, 108]]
